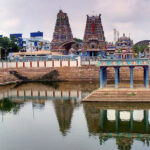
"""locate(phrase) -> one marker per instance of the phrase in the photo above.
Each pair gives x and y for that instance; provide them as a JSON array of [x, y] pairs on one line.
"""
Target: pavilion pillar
[[116, 76], [131, 77], [92, 53], [131, 121], [117, 119], [144, 76], [101, 77], [147, 77], [104, 76], [101, 118], [146, 116]]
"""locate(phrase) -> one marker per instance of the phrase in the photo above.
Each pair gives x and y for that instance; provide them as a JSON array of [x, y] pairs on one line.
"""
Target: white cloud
[[25, 16], [11, 23]]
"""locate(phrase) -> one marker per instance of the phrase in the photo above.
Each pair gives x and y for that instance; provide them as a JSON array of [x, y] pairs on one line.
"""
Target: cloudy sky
[[25, 16]]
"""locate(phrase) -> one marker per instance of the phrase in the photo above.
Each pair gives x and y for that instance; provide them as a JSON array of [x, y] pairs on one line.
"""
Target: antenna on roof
[[118, 34], [129, 35], [115, 33]]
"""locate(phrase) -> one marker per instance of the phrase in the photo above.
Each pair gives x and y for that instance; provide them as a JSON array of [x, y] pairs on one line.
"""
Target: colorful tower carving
[[94, 39], [62, 37]]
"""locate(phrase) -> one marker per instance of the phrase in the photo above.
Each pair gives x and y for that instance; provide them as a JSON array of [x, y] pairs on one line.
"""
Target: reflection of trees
[[64, 110], [7, 106]]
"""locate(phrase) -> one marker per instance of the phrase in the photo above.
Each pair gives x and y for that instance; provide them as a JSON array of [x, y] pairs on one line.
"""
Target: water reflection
[[64, 111], [60, 115], [8, 106], [125, 125]]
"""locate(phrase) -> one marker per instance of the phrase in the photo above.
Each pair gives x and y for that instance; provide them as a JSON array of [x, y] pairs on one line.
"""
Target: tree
[[8, 45], [140, 48], [78, 40]]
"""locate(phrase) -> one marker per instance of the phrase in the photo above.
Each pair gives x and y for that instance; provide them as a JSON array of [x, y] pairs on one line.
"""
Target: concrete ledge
[[119, 95]]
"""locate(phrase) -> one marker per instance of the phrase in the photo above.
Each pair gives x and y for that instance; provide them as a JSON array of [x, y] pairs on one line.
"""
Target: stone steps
[[119, 95]]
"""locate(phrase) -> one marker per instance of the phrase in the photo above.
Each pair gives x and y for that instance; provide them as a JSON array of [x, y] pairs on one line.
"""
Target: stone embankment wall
[[66, 70], [83, 73]]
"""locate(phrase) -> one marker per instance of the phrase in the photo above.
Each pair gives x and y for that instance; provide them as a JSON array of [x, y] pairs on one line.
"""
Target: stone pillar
[[146, 116], [92, 53], [101, 77], [146, 76], [117, 119], [101, 118], [104, 76], [116, 76], [131, 77], [131, 121], [79, 61]]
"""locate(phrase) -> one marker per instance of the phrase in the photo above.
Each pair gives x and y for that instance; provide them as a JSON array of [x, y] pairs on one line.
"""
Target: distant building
[[35, 42], [18, 37], [37, 35], [124, 47], [110, 48]]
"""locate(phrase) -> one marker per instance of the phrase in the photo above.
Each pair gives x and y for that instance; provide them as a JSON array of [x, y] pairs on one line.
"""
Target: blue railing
[[41, 58]]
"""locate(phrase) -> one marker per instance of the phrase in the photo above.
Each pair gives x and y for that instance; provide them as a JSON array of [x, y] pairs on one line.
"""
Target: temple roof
[[124, 38]]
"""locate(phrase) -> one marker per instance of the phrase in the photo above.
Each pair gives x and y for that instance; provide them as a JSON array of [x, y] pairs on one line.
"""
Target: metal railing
[[40, 58]]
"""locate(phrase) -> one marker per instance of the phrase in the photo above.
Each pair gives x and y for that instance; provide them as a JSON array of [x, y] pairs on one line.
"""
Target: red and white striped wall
[[41, 64]]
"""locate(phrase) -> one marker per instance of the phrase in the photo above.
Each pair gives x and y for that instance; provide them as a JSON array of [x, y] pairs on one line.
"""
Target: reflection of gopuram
[[123, 125], [64, 110], [38, 104]]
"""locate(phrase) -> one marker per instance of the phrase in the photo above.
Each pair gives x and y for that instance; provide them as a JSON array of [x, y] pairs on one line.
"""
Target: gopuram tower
[[94, 39], [62, 36]]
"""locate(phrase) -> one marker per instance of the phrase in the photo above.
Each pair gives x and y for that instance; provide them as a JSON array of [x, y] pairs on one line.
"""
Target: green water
[[50, 116]]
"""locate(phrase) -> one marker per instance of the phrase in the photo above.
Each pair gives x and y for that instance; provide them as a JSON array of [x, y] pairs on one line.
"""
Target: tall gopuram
[[62, 36], [94, 39]]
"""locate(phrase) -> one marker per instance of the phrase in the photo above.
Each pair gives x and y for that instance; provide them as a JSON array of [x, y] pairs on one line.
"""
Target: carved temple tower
[[62, 36], [94, 39]]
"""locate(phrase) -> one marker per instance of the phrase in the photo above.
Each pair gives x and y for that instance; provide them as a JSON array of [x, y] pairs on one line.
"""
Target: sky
[[131, 17]]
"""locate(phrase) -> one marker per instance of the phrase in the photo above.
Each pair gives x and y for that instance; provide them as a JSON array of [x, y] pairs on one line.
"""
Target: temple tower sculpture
[[94, 39], [62, 36]]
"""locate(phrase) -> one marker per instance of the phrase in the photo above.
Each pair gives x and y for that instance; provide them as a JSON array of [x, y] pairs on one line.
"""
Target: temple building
[[124, 47], [62, 37], [94, 39]]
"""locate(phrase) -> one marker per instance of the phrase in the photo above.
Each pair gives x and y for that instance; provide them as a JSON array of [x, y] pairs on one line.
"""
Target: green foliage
[[78, 40], [131, 94], [8, 45], [7, 106], [141, 48]]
